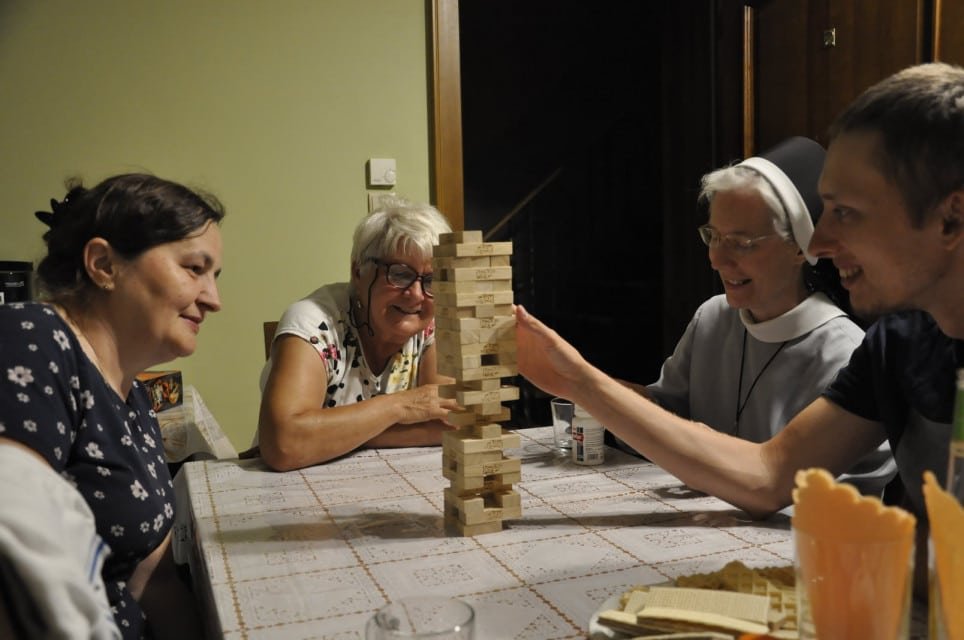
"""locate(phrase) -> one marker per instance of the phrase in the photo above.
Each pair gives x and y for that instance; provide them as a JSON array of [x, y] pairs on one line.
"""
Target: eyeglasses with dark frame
[[732, 241], [401, 276]]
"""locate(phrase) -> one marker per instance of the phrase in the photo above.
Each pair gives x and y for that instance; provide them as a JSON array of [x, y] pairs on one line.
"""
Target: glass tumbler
[[421, 617]]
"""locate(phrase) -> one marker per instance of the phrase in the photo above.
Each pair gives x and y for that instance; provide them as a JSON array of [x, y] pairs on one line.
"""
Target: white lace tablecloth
[[313, 553]]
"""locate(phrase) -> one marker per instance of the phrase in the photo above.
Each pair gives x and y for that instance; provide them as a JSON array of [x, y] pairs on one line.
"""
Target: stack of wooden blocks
[[475, 343]]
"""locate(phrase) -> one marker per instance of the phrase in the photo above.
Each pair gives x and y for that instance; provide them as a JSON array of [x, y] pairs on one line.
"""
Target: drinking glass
[[562, 413], [421, 617], [853, 589]]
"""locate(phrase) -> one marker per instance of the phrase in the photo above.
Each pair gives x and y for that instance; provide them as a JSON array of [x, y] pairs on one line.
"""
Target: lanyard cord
[[739, 389]]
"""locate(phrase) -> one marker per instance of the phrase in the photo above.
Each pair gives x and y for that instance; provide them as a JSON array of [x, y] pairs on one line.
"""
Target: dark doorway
[[568, 116]]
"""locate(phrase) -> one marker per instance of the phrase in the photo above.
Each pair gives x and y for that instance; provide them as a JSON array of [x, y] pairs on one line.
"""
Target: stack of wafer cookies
[[734, 600]]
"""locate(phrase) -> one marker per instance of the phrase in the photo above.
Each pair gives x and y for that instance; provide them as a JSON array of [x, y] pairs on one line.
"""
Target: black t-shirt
[[903, 375]]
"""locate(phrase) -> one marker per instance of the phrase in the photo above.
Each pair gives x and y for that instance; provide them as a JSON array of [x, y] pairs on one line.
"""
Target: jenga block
[[482, 385], [478, 349], [462, 484], [460, 274], [490, 430], [454, 312], [484, 508], [456, 368], [469, 440], [453, 361], [457, 237], [453, 525], [466, 397], [469, 418], [510, 502], [448, 339], [504, 323], [453, 353], [471, 286], [491, 489], [469, 323], [491, 468], [472, 459], [473, 311], [470, 443], [486, 311], [486, 408], [478, 262], [467, 249], [499, 261], [473, 299], [483, 373]]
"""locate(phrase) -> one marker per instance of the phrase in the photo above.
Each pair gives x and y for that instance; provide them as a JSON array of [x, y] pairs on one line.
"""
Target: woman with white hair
[[353, 364], [755, 356]]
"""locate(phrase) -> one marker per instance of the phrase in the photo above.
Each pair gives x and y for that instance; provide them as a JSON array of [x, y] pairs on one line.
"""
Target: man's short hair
[[919, 115]]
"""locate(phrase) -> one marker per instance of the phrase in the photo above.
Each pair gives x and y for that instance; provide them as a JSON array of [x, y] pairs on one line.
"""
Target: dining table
[[313, 553]]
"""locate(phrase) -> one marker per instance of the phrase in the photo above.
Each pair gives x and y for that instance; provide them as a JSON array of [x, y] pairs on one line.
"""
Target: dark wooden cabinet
[[948, 29], [810, 58]]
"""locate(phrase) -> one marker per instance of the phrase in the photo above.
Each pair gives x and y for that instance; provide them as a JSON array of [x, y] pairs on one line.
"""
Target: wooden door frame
[[447, 186]]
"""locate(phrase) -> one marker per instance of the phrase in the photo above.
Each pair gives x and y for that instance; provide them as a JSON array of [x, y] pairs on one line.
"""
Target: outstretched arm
[[757, 478]]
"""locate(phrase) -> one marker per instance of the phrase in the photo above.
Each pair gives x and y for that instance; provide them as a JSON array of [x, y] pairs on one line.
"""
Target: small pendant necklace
[[739, 390]]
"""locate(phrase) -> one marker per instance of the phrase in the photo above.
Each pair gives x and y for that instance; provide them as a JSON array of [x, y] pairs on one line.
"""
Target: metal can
[[587, 439]]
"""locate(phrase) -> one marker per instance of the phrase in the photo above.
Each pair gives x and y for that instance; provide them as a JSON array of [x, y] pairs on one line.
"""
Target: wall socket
[[375, 199]]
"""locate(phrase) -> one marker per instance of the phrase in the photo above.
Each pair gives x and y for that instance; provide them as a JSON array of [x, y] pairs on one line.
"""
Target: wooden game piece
[[459, 237], [477, 273], [471, 249], [440, 264], [474, 441], [478, 509], [481, 484], [472, 286], [469, 417], [473, 299]]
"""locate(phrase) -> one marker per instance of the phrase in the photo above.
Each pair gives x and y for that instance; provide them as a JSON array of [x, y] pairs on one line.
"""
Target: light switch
[[381, 172]]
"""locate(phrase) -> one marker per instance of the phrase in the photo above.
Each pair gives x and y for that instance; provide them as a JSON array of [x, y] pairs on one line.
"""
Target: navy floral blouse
[[54, 400]]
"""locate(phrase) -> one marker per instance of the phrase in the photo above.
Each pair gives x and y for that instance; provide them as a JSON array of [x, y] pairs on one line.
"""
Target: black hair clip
[[53, 217]]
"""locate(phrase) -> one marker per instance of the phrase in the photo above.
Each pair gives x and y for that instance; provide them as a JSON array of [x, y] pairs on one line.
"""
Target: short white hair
[[736, 178], [398, 227]]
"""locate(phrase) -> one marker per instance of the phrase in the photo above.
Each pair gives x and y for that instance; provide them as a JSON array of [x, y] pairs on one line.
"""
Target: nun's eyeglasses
[[736, 242], [402, 276]]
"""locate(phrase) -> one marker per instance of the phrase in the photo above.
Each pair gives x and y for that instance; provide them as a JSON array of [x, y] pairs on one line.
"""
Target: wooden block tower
[[475, 343]]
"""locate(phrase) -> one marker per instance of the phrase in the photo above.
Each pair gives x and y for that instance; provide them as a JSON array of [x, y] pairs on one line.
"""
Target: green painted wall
[[274, 106]]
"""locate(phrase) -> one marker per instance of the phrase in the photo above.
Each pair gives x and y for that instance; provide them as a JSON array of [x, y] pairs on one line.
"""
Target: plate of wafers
[[732, 602]]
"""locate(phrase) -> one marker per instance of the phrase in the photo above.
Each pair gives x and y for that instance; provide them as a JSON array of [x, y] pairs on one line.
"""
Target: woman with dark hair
[[129, 276], [754, 357]]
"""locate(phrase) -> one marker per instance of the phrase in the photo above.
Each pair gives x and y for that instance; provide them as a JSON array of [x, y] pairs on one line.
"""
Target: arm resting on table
[[295, 430]]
